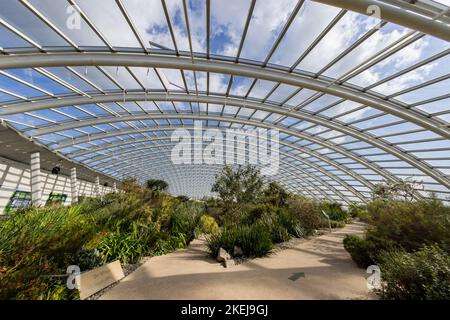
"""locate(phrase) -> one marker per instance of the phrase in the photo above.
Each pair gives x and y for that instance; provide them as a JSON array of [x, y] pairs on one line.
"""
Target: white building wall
[[16, 176]]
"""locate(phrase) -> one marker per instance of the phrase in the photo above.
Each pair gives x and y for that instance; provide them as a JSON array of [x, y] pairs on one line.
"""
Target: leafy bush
[[337, 224], [184, 223], [86, 259], [255, 240], [335, 211], [366, 251], [421, 275], [128, 245], [276, 195], [156, 185], [307, 211], [357, 210], [410, 241], [411, 224], [208, 225], [34, 243], [284, 219], [250, 213]]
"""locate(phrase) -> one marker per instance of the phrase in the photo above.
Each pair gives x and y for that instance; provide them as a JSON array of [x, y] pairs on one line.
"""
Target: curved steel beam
[[216, 66], [287, 155], [175, 176], [311, 153], [282, 178], [320, 142], [323, 143], [396, 15], [138, 169], [322, 182], [344, 129]]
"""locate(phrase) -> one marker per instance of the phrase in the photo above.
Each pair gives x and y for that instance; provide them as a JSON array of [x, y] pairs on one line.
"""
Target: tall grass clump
[[36, 242], [254, 240]]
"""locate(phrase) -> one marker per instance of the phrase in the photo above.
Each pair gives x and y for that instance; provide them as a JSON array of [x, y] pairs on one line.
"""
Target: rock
[[223, 255], [229, 263], [237, 251]]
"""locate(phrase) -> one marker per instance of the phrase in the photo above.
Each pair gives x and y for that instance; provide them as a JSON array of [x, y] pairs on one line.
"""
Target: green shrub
[[86, 259], [57, 290], [411, 224], [35, 243], [357, 247], [184, 223], [366, 251], [208, 225], [357, 210], [122, 246], [307, 211], [421, 275], [337, 224], [249, 213], [227, 238], [255, 240], [335, 211], [275, 195], [162, 247], [128, 245], [284, 219], [278, 232]]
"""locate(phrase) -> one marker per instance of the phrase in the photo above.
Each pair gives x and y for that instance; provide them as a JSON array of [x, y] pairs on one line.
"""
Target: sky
[[227, 23]]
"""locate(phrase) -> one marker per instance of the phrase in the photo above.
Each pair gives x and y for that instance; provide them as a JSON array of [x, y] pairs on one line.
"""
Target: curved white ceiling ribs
[[357, 98], [130, 159]]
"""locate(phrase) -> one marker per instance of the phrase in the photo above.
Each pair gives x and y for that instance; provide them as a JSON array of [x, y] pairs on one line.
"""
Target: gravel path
[[329, 273]]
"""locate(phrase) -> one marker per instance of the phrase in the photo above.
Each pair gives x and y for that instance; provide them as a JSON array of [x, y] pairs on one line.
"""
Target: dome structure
[[357, 90]]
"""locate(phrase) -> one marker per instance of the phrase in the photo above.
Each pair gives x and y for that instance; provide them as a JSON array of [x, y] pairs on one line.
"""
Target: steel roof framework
[[427, 17]]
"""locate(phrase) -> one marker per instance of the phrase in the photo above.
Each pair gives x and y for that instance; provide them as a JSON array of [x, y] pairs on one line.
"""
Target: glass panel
[[9, 39], [68, 21], [268, 19], [313, 17], [102, 13], [39, 80], [227, 25], [17, 15]]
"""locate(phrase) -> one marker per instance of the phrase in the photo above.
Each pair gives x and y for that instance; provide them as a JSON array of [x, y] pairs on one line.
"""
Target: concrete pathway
[[191, 274]]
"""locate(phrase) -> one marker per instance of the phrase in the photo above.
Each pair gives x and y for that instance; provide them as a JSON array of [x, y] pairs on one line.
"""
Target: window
[[19, 199], [56, 198]]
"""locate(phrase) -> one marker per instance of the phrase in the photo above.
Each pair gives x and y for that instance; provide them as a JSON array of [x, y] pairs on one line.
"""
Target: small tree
[[276, 194], [243, 185], [156, 185], [131, 185], [393, 189]]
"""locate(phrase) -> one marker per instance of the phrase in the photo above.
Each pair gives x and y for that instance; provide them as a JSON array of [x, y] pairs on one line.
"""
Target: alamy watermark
[[73, 278], [73, 21], [230, 146], [374, 280]]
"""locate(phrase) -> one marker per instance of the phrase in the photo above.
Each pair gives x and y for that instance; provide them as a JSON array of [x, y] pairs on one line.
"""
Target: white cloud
[[405, 81]]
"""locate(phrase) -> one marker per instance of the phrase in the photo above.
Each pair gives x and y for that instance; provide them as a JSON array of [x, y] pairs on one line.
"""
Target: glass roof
[[357, 100]]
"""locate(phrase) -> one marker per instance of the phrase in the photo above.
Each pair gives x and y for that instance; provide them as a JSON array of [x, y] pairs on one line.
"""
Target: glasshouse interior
[[188, 149]]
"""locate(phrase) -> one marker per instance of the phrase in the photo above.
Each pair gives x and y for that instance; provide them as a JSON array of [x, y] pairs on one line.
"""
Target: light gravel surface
[[191, 274]]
